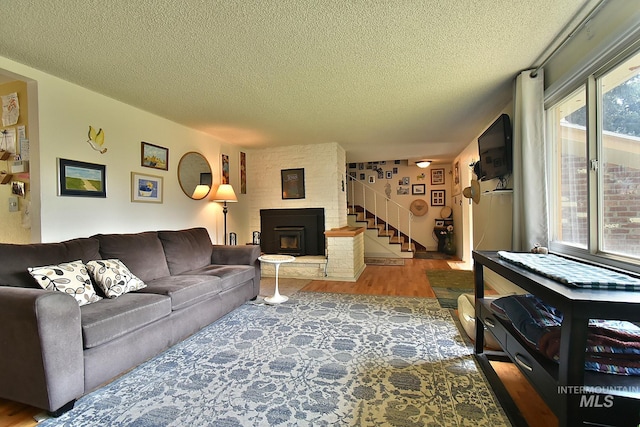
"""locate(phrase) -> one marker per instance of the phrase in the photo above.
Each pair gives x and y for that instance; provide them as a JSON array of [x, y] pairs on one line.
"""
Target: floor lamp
[[225, 194]]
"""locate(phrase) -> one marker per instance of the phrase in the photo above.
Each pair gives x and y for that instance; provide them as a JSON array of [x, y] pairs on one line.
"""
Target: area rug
[[384, 261], [448, 285], [319, 359]]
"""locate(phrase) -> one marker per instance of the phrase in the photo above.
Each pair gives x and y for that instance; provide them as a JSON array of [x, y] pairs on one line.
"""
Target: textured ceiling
[[390, 79]]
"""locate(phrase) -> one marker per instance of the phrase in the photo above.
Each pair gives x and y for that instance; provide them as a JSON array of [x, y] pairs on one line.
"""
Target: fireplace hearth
[[294, 232]]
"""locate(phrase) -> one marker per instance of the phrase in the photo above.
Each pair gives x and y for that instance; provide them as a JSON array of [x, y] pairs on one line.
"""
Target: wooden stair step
[[405, 247]]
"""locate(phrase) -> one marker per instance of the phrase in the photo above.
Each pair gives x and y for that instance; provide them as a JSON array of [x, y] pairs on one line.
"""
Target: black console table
[[576, 396]]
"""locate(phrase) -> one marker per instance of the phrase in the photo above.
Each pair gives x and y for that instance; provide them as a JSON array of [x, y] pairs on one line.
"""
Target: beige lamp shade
[[225, 193], [200, 192]]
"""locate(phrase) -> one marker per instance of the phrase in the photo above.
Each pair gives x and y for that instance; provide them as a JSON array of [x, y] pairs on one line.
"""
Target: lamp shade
[[200, 192], [225, 193]]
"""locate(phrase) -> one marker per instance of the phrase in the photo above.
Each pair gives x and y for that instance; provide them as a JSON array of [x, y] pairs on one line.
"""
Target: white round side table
[[276, 260]]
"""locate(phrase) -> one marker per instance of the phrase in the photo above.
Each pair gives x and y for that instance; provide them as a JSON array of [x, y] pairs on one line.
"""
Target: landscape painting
[[81, 179]]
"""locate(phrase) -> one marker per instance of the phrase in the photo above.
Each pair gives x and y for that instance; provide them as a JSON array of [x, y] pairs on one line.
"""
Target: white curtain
[[530, 216]]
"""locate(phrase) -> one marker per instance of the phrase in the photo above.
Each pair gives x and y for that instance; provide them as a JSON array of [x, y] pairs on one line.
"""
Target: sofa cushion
[[142, 253], [184, 290], [230, 275], [186, 249], [112, 318], [17, 258], [70, 278], [113, 277]]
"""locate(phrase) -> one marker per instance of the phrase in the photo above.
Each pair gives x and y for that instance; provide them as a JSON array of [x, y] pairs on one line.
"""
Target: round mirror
[[194, 175]]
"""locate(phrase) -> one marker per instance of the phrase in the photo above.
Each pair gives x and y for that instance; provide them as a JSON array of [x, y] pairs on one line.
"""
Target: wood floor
[[407, 280]]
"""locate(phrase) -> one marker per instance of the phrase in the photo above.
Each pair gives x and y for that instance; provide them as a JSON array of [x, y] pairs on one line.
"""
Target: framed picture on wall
[[292, 183], [437, 197], [154, 156], [243, 173], [437, 176], [418, 189], [146, 188], [224, 179], [81, 179]]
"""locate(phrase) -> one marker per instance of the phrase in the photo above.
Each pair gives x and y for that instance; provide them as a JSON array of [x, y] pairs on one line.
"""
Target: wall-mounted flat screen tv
[[495, 149]]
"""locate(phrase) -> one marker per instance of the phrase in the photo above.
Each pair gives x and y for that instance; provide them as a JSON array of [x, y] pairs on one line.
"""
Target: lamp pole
[[224, 211]]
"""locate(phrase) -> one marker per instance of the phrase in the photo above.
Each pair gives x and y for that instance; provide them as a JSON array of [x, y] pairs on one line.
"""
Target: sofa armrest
[[41, 340], [238, 255], [235, 255]]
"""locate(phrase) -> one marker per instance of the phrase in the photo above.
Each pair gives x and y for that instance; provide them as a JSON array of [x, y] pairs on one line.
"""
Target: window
[[594, 133], [570, 150]]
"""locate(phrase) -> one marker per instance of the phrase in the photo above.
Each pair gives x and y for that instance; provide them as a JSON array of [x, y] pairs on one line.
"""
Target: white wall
[[64, 113]]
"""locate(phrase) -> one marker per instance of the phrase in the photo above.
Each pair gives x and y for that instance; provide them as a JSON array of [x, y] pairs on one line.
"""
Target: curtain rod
[[590, 15]]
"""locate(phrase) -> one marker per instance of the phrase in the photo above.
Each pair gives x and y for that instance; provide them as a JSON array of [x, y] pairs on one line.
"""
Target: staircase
[[388, 234]]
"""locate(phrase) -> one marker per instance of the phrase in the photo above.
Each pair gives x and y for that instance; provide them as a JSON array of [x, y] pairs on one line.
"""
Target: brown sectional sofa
[[52, 351]]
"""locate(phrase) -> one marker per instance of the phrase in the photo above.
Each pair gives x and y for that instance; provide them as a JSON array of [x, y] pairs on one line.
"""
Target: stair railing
[[362, 196]]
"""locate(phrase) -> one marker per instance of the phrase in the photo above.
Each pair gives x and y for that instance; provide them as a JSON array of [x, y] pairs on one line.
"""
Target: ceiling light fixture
[[423, 164]]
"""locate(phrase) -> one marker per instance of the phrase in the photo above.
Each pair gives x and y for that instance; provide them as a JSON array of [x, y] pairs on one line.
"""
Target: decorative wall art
[[225, 169], [18, 188], [146, 188], [96, 140], [243, 173], [154, 156], [418, 189], [292, 183], [437, 176], [456, 179], [437, 197], [81, 179]]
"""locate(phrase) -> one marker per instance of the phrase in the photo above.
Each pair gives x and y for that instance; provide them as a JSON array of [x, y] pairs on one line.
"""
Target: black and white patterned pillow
[[113, 277], [69, 277]]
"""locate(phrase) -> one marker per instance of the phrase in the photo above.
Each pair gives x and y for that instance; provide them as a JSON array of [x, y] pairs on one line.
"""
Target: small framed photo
[[418, 189], [437, 197], [146, 188], [372, 179], [437, 176], [389, 174], [81, 179], [292, 183], [154, 156], [18, 188], [439, 222]]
